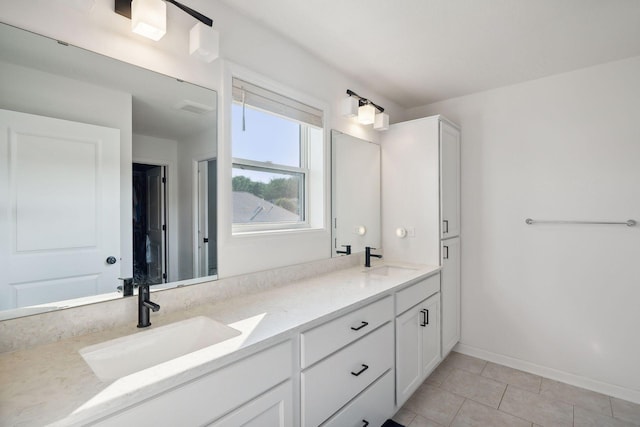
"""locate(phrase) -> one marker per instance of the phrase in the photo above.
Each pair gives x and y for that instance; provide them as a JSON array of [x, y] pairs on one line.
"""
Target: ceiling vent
[[193, 107]]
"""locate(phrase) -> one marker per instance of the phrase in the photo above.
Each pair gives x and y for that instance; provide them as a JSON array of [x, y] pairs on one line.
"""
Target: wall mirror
[[355, 189], [107, 171]]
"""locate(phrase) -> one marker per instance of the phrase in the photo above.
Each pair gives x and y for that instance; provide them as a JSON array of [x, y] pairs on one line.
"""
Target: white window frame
[[303, 170]]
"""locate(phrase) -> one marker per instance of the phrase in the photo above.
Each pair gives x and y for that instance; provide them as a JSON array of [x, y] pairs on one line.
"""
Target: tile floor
[[464, 391]]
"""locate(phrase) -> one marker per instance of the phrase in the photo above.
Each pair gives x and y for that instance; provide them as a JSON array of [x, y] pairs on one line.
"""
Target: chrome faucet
[[368, 255], [144, 304]]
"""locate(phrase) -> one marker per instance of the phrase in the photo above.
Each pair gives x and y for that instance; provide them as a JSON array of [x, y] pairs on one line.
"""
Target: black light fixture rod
[[200, 17], [362, 101]]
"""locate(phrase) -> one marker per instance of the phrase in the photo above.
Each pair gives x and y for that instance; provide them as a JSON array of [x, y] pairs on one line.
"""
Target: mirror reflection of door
[[149, 225], [60, 207], [206, 236]]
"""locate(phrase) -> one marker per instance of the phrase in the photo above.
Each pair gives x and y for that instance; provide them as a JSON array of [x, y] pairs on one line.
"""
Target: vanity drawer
[[373, 406], [329, 337], [328, 385], [408, 297]]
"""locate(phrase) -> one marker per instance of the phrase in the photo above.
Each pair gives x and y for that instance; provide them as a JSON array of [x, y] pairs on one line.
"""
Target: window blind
[[273, 102]]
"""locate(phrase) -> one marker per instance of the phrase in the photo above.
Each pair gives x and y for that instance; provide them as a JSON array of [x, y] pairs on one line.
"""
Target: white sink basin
[[386, 270], [120, 357]]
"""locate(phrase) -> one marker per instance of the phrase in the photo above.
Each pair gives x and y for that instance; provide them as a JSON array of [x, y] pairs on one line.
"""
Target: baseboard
[[553, 374]]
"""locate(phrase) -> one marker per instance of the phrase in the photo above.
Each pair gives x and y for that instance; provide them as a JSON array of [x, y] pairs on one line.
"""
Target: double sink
[[127, 355]]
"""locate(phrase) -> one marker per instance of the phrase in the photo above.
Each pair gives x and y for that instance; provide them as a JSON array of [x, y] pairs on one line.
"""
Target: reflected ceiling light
[[368, 113], [149, 19]]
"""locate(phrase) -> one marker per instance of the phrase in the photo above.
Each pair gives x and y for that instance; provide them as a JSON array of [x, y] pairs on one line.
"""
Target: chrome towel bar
[[628, 223]]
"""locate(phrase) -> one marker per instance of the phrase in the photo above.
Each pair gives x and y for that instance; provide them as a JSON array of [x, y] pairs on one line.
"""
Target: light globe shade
[[149, 18], [381, 122], [366, 114], [204, 42], [349, 107]]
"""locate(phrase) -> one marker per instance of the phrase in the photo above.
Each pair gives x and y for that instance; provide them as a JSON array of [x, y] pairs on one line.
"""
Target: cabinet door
[[272, 409], [408, 354], [450, 290], [450, 180], [430, 326]]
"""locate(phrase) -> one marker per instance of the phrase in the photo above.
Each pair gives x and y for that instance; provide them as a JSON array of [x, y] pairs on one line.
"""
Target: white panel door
[[450, 180], [202, 240], [59, 209], [450, 291]]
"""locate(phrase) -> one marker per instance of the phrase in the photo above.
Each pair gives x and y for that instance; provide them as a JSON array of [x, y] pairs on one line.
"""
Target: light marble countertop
[[52, 384]]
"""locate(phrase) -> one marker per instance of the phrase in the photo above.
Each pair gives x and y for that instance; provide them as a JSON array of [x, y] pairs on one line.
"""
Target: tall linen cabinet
[[421, 206]]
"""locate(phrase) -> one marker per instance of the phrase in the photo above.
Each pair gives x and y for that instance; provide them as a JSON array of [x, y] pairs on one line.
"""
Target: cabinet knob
[[446, 226], [446, 252], [365, 423]]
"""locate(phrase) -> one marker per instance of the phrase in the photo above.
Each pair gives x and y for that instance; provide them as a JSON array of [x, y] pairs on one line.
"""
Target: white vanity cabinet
[[343, 376], [450, 292], [417, 338], [237, 389], [424, 154]]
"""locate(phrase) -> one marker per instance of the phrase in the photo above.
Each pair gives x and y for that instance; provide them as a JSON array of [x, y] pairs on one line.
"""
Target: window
[[277, 156]]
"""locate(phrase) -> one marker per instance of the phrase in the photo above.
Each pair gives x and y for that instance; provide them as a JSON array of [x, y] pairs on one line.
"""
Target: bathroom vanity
[[317, 350]]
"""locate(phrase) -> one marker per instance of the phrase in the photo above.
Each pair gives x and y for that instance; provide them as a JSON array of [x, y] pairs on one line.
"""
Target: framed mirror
[[355, 189], [107, 171]]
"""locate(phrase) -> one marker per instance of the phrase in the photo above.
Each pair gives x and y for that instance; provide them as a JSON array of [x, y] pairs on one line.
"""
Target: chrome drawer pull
[[364, 368], [360, 327]]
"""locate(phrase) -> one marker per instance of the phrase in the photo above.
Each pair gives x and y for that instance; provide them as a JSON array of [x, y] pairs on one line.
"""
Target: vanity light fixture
[[381, 122], [149, 19], [350, 106], [367, 112]]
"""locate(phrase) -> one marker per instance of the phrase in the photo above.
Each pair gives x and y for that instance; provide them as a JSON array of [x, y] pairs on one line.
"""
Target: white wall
[[197, 148], [561, 297], [244, 42]]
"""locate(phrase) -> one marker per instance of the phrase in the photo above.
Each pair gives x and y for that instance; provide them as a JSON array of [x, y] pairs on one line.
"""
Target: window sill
[[283, 231]]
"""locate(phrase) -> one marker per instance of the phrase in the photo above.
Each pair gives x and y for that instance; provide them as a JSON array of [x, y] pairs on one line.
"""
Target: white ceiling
[[420, 51]]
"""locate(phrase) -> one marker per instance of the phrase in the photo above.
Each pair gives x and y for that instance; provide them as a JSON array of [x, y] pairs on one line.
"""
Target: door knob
[[111, 260]]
